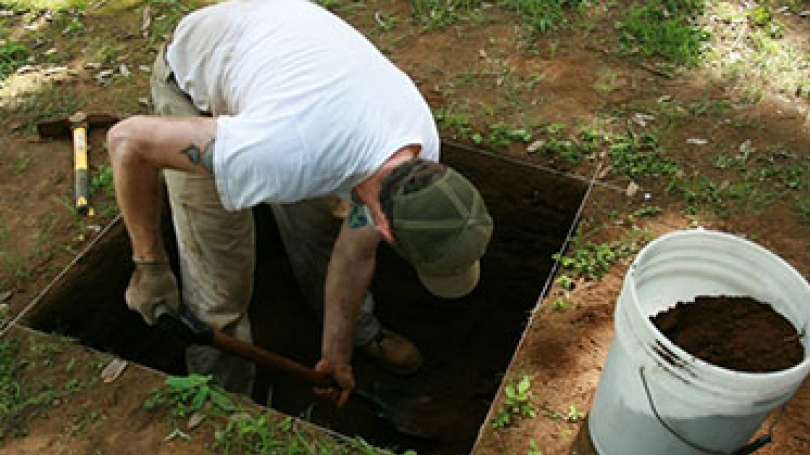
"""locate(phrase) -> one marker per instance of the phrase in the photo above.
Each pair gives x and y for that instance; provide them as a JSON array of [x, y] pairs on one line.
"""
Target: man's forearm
[[138, 190], [349, 276], [140, 148], [346, 287]]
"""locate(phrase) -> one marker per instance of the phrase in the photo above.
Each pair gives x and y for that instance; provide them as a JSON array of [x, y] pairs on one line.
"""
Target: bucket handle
[[748, 449]]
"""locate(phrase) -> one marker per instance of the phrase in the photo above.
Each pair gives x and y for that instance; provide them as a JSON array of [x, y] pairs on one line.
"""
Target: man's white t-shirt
[[305, 105]]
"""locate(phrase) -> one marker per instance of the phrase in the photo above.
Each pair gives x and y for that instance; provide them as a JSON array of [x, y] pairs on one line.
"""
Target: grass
[[22, 399], [47, 103], [42, 5], [592, 260], [245, 432], [13, 55], [666, 30]]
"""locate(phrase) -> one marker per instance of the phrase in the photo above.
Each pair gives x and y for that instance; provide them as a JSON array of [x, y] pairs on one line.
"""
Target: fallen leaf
[[113, 370], [535, 146], [604, 172], [55, 70], [195, 420], [632, 189], [146, 21]]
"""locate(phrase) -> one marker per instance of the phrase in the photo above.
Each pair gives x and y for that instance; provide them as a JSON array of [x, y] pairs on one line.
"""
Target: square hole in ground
[[467, 343]]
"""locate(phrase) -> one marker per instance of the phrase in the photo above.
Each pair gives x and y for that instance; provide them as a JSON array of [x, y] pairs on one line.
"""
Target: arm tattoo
[[192, 152], [208, 156], [204, 157]]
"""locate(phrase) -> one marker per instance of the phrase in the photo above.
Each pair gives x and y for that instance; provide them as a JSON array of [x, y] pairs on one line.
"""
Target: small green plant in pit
[[189, 394], [517, 404], [13, 55], [533, 449]]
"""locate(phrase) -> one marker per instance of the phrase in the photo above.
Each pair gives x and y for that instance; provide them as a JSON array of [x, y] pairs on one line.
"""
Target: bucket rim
[[725, 376]]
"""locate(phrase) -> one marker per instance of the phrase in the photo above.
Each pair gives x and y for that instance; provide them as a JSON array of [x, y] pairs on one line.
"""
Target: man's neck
[[369, 189]]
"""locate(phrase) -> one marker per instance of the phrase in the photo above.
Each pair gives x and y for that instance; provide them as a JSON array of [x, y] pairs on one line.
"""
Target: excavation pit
[[467, 344]]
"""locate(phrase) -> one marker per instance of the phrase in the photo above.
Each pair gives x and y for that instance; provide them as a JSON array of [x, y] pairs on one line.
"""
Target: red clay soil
[[737, 333]]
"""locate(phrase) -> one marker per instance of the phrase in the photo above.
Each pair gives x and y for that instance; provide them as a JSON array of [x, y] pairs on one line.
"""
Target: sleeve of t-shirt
[[259, 160]]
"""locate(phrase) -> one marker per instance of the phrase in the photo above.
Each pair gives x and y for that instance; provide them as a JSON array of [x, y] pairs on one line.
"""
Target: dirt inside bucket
[[734, 332]]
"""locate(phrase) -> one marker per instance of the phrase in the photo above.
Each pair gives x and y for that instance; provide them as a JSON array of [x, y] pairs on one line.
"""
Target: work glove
[[152, 284]]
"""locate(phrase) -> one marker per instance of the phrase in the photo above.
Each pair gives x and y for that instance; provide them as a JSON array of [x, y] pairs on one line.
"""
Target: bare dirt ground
[[740, 138]]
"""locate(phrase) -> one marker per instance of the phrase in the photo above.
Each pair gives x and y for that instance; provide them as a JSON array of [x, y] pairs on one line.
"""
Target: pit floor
[[467, 344]]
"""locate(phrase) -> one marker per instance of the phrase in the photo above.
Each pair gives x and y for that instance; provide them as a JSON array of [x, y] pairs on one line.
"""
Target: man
[[284, 103]]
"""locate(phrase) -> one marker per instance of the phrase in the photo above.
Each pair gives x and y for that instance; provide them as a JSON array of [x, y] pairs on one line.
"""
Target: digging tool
[[77, 126], [391, 405]]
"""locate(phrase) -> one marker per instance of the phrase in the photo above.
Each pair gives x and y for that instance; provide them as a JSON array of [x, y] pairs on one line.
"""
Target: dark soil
[[466, 343], [737, 333]]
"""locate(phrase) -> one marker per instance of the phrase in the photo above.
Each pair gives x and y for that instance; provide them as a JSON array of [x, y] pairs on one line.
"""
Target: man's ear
[[381, 221]]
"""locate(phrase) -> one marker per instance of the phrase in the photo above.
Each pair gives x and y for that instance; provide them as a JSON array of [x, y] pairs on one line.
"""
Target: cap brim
[[452, 286]]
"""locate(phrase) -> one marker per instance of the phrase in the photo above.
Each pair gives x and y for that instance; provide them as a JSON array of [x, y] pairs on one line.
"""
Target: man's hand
[[343, 377], [152, 284]]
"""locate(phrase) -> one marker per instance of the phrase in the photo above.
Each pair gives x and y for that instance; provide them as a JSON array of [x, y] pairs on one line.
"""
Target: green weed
[[538, 15], [13, 55], [572, 148], [593, 260], [72, 20], [543, 15], [189, 394], [52, 103], [640, 155], [517, 404], [22, 163], [560, 304], [803, 206], [42, 5], [574, 414], [759, 177], [268, 435], [165, 14], [20, 399], [501, 135], [664, 29], [454, 124], [102, 181], [533, 449]]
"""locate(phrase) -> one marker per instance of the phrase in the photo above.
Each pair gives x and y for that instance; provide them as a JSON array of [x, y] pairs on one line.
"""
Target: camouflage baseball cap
[[442, 228]]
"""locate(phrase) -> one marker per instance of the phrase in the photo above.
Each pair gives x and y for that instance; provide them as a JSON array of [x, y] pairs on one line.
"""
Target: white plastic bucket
[[701, 408]]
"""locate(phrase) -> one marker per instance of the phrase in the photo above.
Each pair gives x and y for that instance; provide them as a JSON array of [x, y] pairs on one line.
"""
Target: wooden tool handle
[[78, 123], [266, 358]]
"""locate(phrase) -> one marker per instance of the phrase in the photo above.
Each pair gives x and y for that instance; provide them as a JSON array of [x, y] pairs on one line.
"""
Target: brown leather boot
[[394, 353]]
